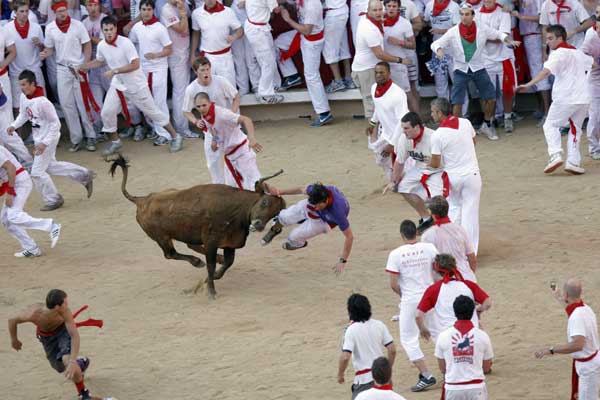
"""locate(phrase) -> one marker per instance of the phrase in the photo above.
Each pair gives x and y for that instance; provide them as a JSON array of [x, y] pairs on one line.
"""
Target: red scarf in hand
[[376, 23], [380, 90], [560, 5], [64, 26], [486, 10], [151, 21], [439, 7], [39, 92], [217, 8], [463, 326], [469, 33], [390, 21], [449, 122], [565, 45], [23, 30]]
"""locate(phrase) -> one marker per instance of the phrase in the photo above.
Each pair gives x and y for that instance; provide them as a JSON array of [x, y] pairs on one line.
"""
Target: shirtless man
[[56, 330]]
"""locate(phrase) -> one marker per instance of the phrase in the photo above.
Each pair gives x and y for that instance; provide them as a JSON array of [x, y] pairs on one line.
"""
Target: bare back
[[46, 320]]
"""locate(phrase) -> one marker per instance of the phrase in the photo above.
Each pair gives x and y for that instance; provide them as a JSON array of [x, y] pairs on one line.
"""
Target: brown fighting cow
[[206, 218]]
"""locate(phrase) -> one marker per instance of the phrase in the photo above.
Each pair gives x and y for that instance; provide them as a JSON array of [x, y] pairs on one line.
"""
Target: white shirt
[[226, 130], [169, 16], [28, 54], [5, 156], [389, 109], [569, 19], [367, 36], [240, 12], [67, 46], [412, 263], [452, 239], [365, 340], [336, 7], [456, 148], [151, 39], [464, 356], [45, 8], [532, 8], [582, 322], [402, 30], [444, 20], [421, 153], [44, 120], [214, 28], [379, 394], [408, 10], [452, 45], [259, 11], [570, 68], [500, 21], [591, 47], [220, 91], [121, 55], [94, 30], [311, 13], [6, 40]]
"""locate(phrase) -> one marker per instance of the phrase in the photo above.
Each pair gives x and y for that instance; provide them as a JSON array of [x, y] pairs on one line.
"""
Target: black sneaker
[[423, 384], [85, 395], [424, 224]]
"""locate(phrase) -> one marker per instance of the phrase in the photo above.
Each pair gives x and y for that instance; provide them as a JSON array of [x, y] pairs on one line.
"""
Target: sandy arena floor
[[275, 330]]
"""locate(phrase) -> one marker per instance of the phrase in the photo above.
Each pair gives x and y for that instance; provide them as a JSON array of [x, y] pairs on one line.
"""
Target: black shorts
[[56, 345]]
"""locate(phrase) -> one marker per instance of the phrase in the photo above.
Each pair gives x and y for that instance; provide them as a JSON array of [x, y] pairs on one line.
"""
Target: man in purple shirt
[[325, 208]]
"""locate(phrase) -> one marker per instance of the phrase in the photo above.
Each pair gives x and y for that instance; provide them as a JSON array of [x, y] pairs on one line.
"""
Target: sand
[[275, 329]]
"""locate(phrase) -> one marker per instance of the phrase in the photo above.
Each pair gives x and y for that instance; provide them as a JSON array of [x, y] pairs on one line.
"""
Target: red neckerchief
[[463, 326], [381, 90], [217, 8], [449, 122], [151, 21], [440, 221], [112, 42], [564, 45], [383, 387], [210, 116], [571, 307], [595, 26], [390, 21], [23, 30], [486, 10], [469, 33], [418, 139], [376, 23], [39, 92], [474, 3], [448, 275], [64, 26], [559, 6], [439, 7]]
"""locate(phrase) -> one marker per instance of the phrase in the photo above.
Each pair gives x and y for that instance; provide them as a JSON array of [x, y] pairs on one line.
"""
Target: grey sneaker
[[127, 133], [75, 147], [190, 135], [335, 86], [423, 384], [90, 144], [29, 253], [58, 204], [54, 234], [541, 122], [516, 117], [274, 231], [272, 99], [508, 125], [349, 83], [101, 137], [112, 148], [161, 141], [138, 134], [176, 144], [595, 155], [488, 131]]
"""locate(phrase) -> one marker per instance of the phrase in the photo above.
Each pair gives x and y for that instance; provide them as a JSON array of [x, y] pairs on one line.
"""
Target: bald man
[[582, 345]]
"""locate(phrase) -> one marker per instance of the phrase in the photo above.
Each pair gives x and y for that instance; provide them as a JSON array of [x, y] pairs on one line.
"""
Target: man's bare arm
[[21, 318]]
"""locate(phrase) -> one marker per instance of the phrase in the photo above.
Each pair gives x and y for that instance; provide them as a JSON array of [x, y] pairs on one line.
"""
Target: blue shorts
[[480, 78]]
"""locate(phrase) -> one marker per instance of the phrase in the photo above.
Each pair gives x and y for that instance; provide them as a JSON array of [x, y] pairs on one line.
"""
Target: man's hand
[[389, 188], [81, 67], [425, 334], [109, 74], [285, 14], [570, 34], [395, 41], [9, 200], [435, 31], [439, 53], [516, 14], [521, 88], [214, 146], [241, 4], [406, 61], [10, 130], [369, 130], [255, 146], [387, 150], [542, 352], [514, 43], [72, 369], [39, 149], [338, 269], [44, 54], [340, 379], [16, 344], [230, 39], [150, 56], [271, 189], [36, 40]]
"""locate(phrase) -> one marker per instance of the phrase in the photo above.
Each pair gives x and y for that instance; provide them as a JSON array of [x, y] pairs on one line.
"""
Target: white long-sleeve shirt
[[44, 120]]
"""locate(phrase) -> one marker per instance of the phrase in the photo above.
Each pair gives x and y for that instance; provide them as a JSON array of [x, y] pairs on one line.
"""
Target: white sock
[[507, 115]]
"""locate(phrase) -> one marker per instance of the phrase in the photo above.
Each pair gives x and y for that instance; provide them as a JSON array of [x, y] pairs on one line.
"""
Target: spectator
[[382, 388], [591, 47], [336, 48], [571, 14]]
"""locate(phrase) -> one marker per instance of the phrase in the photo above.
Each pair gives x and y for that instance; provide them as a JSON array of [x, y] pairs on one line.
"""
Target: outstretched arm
[[22, 317], [543, 74], [247, 123]]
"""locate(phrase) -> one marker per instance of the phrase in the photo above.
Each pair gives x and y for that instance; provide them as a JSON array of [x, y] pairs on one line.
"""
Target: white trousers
[[442, 87], [465, 193], [142, 99], [214, 160], [13, 142], [409, 331], [377, 147], [559, 116], [16, 221], [16, 89], [589, 377], [533, 49], [593, 126], [179, 67], [242, 77], [99, 85], [261, 43], [244, 162], [282, 43], [5, 80], [311, 58], [336, 48], [51, 73], [159, 94], [468, 394], [71, 103], [354, 18], [222, 65], [496, 74], [399, 75], [308, 227]]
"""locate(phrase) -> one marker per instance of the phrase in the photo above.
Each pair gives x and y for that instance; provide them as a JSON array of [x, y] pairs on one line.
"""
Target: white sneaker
[[55, 234], [29, 253], [574, 169], [138, 134], [488, 131], [555, 162], [595, 155]]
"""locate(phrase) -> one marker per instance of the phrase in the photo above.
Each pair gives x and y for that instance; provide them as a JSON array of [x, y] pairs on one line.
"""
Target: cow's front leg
[[202, 250], [228, 257], [211, 264]]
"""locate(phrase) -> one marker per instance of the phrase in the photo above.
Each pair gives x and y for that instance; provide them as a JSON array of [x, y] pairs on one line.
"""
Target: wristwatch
[[399, 60], [551, 350], [343, 260]]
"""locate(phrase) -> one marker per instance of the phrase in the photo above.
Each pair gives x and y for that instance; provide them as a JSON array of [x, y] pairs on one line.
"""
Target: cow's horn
[[270, 176]]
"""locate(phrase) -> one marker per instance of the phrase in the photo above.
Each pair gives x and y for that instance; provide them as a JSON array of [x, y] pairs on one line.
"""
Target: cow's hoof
[[212, 295]]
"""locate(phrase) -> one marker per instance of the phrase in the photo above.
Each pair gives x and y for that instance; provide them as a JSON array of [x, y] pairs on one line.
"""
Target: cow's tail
[[122, 162]]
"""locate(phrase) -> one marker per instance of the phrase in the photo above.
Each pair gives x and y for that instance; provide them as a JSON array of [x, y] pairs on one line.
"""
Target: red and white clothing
[[6, 41], [13, 142], [412, 264], [398, 28], [439, 299], [14, 219], [418, 177], [222, 93], [153, 37], [377, 392], [179, 64], [390, 106], [358, 9], [531, 33], [247, 71], [214, 26], [46, 129], [453, 140], [45, 9], [240, 160], [570, 14], [68, 51], [570, 99], [335, 47], [464, 347], [586, 363], [258, 32], [591, 47], [365, 340]]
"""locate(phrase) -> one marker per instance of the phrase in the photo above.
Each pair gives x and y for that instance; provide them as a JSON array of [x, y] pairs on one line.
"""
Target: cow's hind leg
[[211, 263], [228, 257], [170, 253], [202, 250]]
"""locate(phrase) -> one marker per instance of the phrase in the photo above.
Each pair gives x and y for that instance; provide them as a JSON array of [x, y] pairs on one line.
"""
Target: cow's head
[[267, 206]]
